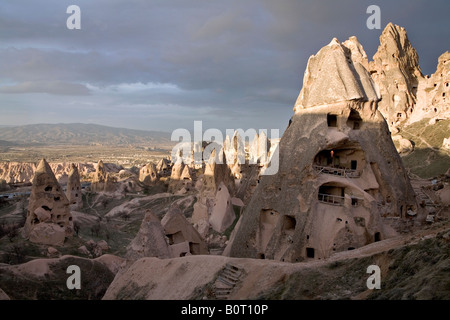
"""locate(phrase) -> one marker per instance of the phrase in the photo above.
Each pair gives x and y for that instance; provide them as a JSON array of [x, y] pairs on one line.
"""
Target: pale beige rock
[[52, 251], [102, 181], [446, 143], [222, 215], [73, 191], [216, 171], [112, 262], [47, 233], [180, 249], [340, 179], [148, 174], [200, 212], [345, 84], [202, 227], [179, 230], [395, 68], [176, 182], [259, 149], [163, 168], [48, 217], [42, 215], [237, 202], [433, 94], [150, 240], [405, 146], [444, 195]]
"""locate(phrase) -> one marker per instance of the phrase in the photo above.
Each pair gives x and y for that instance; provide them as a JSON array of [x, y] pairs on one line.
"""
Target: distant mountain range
[[81, 134]]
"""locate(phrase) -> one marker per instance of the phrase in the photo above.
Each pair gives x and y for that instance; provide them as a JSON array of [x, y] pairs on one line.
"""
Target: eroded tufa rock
[[48, 219]]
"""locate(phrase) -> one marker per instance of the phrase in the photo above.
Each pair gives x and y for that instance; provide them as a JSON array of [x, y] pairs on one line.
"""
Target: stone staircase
[[422, 197], [227, 280]]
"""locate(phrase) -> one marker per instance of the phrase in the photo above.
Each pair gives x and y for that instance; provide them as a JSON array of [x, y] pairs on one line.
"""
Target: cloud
[[50, 87], [228, 62]]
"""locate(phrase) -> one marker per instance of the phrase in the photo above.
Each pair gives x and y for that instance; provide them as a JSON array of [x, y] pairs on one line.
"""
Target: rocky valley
[[363, 179]]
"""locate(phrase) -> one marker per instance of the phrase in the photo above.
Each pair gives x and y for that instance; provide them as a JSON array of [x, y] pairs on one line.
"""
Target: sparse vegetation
[[428, 160]]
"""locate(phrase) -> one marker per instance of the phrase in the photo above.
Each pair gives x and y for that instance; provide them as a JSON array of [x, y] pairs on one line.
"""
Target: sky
[[162, 64]]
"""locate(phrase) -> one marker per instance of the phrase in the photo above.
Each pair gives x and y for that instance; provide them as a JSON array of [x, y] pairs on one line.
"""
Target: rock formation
[[148, 175], [102, 181], [216, 171], [406, 95], [340, 182], [433, 93], [259, 149], [163, 167], [150, 240], [23, 172], [176, 181], [183, 238], [222, 215], [48, 219], [73, 191], [395, 69]]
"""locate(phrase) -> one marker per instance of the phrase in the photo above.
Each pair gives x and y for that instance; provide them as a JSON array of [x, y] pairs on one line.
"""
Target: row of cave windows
[[354, 120]]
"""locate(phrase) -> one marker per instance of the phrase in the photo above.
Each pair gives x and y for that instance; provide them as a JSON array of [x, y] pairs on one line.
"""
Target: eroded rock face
[[150, 240], [183, 238], [395, 69], [176, 181], [433, 93], [148, 174], [73, 191], [222, 215], [102, 181], [48, 219], [340, 180]]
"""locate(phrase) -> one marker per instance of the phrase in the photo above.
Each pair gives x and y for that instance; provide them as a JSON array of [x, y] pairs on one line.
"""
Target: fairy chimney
[[48, 219], [73, 191], [340, 183]]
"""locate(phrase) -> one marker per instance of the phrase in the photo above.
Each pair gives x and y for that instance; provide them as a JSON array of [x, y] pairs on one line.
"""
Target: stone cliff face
[[340, 181], [433, 93], [406, 95], [395, 69]]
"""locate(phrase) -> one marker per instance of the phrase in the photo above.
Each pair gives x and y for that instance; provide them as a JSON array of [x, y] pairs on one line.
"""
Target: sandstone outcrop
[[222, 215], [148, 175], [340, 180], [150, 240], [19, 172], [73, 191], [102, 181], [407, 96], [163, 167], [395, 69], [183, 238], [48, 219], [433, 93]]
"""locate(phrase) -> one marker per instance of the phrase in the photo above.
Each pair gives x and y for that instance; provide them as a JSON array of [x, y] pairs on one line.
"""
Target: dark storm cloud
[[237, 63]]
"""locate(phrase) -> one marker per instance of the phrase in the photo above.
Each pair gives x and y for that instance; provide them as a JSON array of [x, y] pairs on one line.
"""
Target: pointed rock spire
[[48, 219]]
